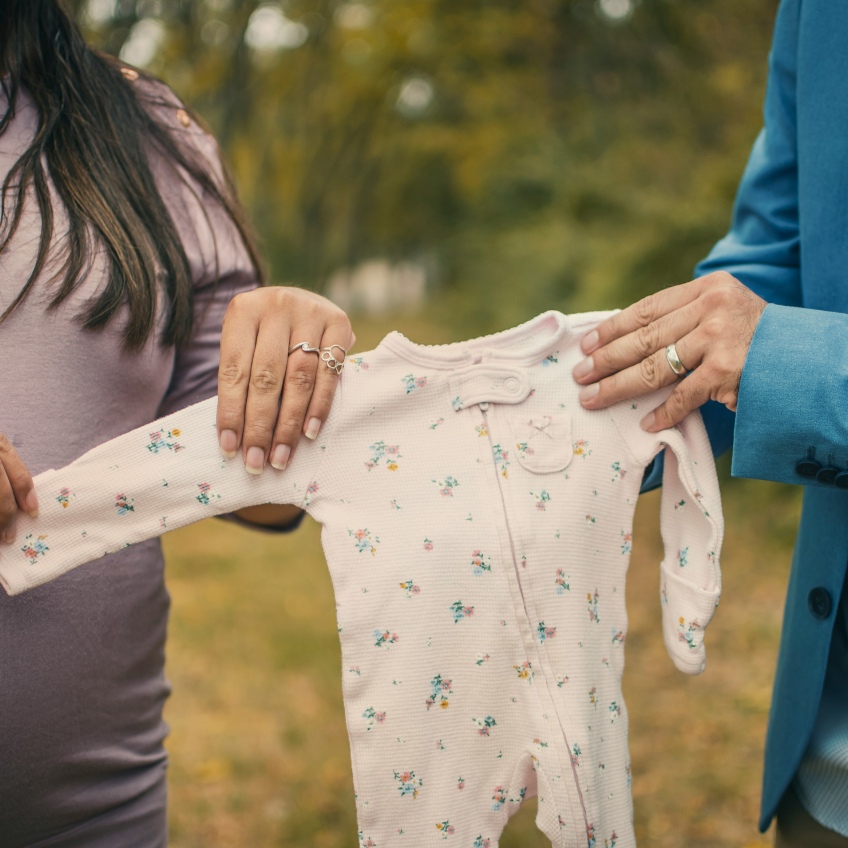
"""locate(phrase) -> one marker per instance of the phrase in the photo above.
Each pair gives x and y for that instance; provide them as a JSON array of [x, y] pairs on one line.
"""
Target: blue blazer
[[789, 243]]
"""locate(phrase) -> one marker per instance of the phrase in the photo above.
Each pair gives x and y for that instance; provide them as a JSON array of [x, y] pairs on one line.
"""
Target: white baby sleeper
[[477, 528]]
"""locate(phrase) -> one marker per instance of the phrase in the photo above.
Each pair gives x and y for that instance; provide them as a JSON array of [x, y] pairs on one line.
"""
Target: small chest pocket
[[542, 443]]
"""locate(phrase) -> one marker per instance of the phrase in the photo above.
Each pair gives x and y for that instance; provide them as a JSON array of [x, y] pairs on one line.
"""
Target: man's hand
[[260, 327], [711, 322]]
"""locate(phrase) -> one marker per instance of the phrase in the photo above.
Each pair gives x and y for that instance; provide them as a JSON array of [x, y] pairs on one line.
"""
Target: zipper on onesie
[[484, 408]]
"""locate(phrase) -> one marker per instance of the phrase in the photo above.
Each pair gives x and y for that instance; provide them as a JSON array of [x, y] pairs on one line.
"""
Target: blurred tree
[[574, 154]]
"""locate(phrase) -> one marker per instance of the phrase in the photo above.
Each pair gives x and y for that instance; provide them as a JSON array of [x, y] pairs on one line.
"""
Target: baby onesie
[[477, 525]]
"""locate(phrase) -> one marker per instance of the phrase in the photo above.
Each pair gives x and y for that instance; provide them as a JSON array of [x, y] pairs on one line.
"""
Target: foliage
[[532, 153]]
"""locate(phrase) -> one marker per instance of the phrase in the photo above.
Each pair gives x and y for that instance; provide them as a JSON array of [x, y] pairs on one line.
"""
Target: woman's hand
[[260, 327], [711, 322], [17, 490]]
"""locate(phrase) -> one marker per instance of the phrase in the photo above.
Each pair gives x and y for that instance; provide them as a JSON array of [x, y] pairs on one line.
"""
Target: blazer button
[[807, 467], [841, 480], [819, 602], [827, 474]]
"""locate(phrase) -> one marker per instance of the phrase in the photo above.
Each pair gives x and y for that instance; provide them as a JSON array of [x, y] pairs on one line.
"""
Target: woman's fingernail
[[583, 368], [312, 428], [588, 392], [229, 443], [32, 504], [10, 534], [590, 341], [648, 421], [255, 460], [280, 457]]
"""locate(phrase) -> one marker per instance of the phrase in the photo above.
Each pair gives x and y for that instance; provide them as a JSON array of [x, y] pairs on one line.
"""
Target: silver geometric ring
[[674, 361], [332, 363], [330, 350]]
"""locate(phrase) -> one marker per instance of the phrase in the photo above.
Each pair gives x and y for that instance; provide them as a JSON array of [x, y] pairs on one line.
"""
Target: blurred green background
[[451, 168]]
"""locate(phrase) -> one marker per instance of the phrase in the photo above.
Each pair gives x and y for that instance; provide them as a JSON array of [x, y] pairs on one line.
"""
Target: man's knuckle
[[677, 400], [716, 297], [645, 309], [722, 363], [713, 329], [647, 371], [602, 359], [726, 395], [610, 328], [714, 279], [647, 340], [707, 370]]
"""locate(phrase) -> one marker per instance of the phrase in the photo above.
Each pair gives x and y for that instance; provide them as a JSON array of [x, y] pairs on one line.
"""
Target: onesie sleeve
[[150, 480], [218, 260], [691, 524]]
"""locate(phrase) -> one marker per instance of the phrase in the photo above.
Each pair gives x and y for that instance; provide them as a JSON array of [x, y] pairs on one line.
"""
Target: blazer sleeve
[[153, 479], [691, 524]]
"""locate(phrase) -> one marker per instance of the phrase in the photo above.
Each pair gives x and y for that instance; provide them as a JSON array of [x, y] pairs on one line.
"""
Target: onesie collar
[[526, 344], [494, 367]]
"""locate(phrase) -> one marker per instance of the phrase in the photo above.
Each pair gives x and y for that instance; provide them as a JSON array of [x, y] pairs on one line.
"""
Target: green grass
[[259, 752]]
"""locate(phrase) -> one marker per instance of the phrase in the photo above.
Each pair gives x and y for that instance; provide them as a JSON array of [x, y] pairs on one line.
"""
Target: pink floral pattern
[[461, 611], [411, 382], [484, 725], [410, 588], [440, 689]]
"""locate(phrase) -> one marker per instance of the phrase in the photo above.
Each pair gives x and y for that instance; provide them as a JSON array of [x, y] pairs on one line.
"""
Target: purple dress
[[82, 682]]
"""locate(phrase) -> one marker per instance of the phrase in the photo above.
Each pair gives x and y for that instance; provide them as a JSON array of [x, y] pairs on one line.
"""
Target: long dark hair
[[94, 134]]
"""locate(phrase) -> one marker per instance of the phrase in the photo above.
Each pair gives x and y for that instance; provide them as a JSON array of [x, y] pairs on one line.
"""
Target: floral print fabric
[[477, 529]]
